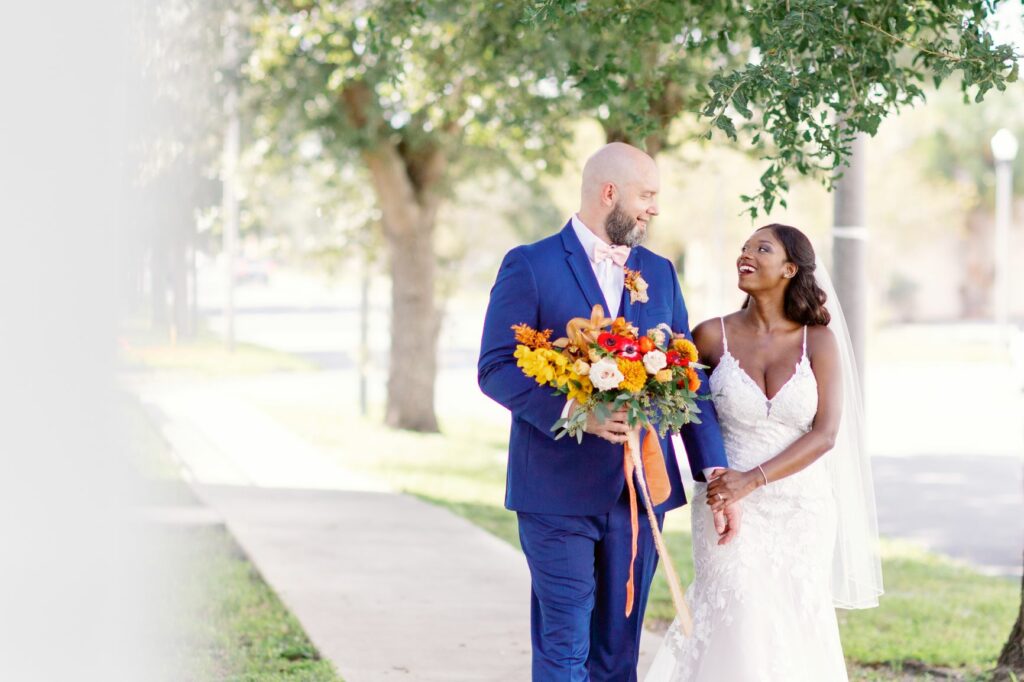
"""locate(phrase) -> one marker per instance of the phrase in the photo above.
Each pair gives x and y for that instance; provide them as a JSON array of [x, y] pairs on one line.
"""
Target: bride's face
[[762, 264]]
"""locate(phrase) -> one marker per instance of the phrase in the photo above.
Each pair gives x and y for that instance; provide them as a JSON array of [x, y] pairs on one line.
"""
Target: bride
[[785, 388]]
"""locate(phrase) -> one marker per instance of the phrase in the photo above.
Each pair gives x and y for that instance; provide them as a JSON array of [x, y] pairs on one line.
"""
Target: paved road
[[969, 507]]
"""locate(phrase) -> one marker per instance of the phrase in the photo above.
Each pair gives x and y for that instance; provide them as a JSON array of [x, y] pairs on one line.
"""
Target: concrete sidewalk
[[388, 587]]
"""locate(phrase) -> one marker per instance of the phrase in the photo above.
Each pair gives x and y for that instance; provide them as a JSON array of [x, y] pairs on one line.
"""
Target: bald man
[[570, 498]]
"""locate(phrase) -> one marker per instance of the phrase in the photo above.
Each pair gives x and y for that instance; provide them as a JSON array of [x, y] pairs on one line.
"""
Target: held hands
[[727, 512], [731, 486]]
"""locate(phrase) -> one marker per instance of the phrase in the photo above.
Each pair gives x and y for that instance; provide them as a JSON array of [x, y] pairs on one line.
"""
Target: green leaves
[[787, 71], [463, 77]]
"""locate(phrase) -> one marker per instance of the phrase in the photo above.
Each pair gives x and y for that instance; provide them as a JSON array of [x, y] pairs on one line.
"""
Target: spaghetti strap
[[725, 341], [805, 342]]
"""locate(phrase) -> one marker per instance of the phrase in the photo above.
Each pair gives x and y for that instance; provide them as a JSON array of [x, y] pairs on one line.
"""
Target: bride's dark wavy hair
[[805, 301]]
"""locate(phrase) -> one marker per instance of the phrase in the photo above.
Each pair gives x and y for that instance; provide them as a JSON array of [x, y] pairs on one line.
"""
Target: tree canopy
[[778, 73]]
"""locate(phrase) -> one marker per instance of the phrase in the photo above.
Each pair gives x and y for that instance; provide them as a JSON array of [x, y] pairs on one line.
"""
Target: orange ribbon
[[648, 463]]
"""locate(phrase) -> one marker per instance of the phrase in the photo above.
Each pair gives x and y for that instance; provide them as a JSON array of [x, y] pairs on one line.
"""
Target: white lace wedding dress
[[762, 604]]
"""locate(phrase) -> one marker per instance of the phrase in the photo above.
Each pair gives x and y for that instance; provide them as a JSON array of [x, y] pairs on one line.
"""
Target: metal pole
[[718, 249], [1001, 245]]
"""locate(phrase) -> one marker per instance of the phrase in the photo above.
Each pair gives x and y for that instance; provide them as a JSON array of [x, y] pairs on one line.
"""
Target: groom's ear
[[608, 192]]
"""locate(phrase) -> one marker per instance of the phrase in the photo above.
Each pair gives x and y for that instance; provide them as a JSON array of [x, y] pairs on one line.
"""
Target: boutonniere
[[636, 285]]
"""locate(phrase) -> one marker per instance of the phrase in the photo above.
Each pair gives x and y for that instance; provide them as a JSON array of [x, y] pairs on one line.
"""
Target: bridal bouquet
[[606, 365]]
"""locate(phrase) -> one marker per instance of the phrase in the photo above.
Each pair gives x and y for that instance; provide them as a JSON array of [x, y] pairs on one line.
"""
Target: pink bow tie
[[617, 254]]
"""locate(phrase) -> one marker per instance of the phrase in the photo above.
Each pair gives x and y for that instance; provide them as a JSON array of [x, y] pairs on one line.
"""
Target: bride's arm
[[824, 354]]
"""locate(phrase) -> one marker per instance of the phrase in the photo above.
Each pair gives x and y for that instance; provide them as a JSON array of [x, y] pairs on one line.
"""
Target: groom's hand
[[613, 429], [732, 513]]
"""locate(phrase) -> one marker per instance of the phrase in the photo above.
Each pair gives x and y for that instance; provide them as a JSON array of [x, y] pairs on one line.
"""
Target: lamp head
[[1004, 145]]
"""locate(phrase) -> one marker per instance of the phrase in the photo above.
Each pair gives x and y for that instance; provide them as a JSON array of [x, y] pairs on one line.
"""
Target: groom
[[570, 498]]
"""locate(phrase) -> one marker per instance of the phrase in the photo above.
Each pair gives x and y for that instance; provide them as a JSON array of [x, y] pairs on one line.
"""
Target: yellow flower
[[548, 367], [664, 375], [634, 375], [532, 364], [686, 347], [581, 394]]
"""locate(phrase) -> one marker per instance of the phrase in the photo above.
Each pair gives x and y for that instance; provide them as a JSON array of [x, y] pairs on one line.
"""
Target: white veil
[[856, 565]]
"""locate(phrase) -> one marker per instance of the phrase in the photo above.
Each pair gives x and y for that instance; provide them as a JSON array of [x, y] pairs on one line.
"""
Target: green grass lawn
[[936, 614], [227, 623], [217, 618]]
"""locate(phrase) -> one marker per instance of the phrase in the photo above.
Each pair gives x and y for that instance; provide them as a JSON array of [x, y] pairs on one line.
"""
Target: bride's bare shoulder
[[821, 342], [707, 336]]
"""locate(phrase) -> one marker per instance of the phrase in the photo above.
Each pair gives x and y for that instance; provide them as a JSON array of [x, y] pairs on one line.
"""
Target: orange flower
[[691, 375], [637, 286], [646, 344], [530, 337], [623, 328]]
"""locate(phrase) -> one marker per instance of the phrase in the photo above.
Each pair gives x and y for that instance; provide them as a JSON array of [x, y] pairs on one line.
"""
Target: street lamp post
[[1004, 150]]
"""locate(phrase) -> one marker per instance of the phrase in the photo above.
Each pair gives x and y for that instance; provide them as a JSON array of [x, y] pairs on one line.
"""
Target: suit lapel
[[579, 263]]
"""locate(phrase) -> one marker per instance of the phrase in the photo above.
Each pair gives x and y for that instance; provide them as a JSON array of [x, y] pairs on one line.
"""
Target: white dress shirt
[[610, 277]]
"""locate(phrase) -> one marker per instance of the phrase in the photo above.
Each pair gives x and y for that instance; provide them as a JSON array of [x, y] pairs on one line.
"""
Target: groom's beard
[[623, 230]]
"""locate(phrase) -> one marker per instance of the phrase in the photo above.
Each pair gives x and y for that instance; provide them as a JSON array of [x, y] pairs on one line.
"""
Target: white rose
[[605, 374], [654, 360]]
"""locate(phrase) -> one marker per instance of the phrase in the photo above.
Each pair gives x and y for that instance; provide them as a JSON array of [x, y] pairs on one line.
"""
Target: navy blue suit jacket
[[546, 284]]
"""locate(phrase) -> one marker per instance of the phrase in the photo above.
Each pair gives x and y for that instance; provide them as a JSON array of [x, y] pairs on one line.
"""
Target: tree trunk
[[407, 184], [665, 101], [849, 249], [159, 278], [1012, 657], [652, 144], [415, 326], [179, 281]]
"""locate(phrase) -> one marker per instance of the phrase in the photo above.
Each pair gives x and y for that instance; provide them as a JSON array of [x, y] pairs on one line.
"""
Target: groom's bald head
[[619, 182], [616, 163]]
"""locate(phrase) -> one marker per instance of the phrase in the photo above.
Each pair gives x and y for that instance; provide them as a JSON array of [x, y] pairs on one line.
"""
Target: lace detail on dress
[[762, 605]]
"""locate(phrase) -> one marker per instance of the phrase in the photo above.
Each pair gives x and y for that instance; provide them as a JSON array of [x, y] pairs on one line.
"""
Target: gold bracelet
[[763, 474]]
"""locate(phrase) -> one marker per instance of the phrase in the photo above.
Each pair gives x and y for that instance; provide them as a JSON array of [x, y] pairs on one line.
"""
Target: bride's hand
[[730, 487]]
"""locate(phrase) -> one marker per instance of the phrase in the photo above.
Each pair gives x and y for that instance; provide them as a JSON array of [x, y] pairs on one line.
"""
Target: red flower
[[676, 359], [609, 342], [629, 350]]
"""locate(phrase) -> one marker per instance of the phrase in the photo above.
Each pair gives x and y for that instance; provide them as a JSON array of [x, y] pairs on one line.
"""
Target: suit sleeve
[[514, 300], [704, 447]]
